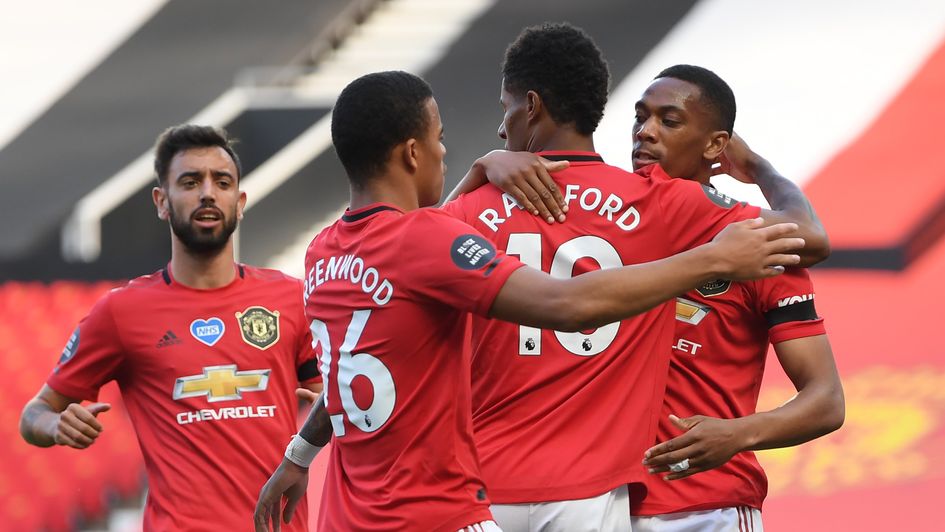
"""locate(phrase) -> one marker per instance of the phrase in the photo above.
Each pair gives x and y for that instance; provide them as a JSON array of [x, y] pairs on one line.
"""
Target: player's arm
[[51, 418], [523, 175], [817, 409], [741, 251], [788, 203], [290, 479]]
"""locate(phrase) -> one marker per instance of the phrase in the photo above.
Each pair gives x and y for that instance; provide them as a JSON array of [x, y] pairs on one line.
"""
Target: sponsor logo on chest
[[222, 383]]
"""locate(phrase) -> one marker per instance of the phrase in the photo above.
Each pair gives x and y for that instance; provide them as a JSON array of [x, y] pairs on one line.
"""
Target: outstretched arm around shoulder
[[743, 250]]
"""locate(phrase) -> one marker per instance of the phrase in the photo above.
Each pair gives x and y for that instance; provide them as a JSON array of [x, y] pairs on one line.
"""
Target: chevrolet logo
[[221, 383], [689, 311]]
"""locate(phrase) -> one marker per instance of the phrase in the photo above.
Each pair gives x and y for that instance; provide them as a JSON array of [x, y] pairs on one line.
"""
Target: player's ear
[[716, 145], [240, 205], [159, 197], [533, 105], [411, 154]]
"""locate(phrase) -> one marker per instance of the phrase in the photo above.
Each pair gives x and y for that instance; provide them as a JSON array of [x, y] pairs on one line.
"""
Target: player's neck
[[385, 189], [561, 139], [202, 271], [704, 176]]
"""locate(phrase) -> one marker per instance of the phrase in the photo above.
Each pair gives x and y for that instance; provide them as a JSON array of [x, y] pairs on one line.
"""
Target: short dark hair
[[716, 94], [189, 136], [565, 67], [373, 114]]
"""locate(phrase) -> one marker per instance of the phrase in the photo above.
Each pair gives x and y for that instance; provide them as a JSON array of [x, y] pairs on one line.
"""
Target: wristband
[[301, 452]]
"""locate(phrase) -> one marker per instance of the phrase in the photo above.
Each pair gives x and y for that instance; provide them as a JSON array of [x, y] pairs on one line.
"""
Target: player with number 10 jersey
[[565, 416]]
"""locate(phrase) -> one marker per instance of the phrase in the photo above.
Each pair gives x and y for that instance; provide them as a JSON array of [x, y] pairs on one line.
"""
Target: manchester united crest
[[714, 288], [259, 326]]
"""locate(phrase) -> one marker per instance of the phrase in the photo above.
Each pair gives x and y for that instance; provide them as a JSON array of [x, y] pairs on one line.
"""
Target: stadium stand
[[172, 68], [60, 488]]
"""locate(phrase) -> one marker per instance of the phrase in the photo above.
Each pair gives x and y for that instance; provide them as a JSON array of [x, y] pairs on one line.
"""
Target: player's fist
[[78, 426], [746, 250]]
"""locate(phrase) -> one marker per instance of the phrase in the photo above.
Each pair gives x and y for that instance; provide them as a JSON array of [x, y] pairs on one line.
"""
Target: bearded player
[[206, 352], [388, 289]]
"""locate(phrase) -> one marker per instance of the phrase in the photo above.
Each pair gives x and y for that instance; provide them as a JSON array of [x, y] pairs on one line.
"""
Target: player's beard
[[202, 241]]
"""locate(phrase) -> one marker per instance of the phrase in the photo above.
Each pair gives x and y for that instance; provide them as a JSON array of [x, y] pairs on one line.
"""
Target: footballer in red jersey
[[544, 427], [546, 403], [388, 288], [708, 424], [364, 293], [206, 354], [721, 343]]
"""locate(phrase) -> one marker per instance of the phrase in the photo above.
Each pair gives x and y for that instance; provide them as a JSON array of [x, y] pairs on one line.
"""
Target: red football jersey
[[208, 378], [562, 416], [387, 293], [722, 335]]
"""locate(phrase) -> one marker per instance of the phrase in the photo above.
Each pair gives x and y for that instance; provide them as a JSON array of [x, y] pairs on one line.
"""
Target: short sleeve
[[787, 304], [695, 213], [91, 356], [306, 355], [459, 207], [454, 264]]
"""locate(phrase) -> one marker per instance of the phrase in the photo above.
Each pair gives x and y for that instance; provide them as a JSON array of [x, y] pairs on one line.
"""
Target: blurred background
[[846, 97]]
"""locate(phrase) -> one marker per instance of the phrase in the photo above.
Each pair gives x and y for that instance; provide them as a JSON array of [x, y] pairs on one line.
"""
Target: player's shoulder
[[792, 286], [792, 278], [141, 286], [134, 294], [433, 219], [268, 275], [689, 191], [275, 284]]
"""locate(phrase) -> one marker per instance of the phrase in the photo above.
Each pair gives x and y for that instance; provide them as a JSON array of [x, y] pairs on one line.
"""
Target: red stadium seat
[[55, 489]]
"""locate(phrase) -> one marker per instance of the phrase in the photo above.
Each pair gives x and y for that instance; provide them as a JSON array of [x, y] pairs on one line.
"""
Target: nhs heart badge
[[208, 331]]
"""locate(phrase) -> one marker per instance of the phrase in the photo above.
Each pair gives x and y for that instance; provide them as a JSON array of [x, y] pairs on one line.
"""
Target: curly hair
[[565, 67], [716, 94]]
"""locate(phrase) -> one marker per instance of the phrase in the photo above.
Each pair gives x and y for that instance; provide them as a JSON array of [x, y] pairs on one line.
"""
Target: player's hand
[[707, 443], [306, 395], [737, 160], [749, 251], [526, 177], [77, 426], [288, 482]]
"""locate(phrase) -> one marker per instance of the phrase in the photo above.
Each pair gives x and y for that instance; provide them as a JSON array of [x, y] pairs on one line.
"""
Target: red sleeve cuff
[[796, 329], [67, 389]]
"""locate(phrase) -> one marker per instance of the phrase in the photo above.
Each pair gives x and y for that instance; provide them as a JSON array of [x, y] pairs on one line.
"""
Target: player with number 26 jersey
[[387, 294], [564, 416]]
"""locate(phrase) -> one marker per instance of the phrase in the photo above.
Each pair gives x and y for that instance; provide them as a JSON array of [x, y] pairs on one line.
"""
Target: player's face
[[201, 198], [433, 151], [672, 127], [514, 127]]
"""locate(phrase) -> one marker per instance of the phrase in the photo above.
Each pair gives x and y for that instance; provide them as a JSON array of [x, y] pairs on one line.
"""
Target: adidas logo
[[168, 339]]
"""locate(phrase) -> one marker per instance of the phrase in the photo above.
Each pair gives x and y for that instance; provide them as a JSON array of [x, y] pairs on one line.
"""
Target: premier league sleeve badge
[[259, 326]]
